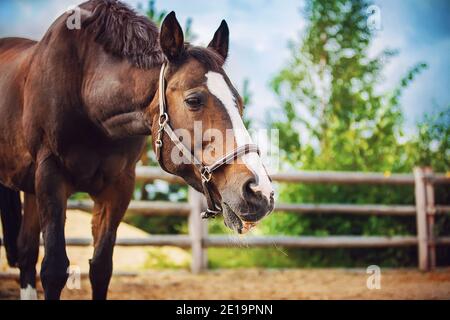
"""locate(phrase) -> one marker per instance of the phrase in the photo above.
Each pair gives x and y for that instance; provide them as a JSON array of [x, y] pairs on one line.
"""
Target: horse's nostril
[[250, 187], [257, 204], [254, 187]]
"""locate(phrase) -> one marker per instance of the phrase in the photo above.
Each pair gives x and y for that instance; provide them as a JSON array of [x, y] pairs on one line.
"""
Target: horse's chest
[[91, 169]]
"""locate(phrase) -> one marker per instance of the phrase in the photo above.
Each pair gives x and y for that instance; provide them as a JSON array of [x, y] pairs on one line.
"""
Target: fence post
[[198, 229], [421, 218], [431, 211]]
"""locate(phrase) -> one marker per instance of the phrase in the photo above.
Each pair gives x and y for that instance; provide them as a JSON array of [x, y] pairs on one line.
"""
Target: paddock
[[425, 212], [327, 284], [132, 280]]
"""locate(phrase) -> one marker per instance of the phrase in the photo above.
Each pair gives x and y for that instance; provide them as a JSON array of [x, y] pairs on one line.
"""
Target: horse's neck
[[119, 96], [152, 111]]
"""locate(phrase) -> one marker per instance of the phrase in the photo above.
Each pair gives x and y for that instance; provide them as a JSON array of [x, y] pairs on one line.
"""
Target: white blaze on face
[[220, 89]]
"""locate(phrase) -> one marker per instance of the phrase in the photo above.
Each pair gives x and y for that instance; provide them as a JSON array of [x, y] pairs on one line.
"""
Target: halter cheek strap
[[205, 171]]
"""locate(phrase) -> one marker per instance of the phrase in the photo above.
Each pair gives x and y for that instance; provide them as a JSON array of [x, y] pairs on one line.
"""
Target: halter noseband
[[205, 171]]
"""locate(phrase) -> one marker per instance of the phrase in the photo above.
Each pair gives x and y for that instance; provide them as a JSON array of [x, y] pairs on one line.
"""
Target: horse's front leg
[[28, 244], [51, 196], [109, 209]]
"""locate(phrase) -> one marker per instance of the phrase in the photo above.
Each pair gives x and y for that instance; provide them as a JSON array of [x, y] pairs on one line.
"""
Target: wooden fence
[[198, 239]]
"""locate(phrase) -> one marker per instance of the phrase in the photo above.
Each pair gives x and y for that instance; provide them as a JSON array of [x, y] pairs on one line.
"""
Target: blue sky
[[260, 30]]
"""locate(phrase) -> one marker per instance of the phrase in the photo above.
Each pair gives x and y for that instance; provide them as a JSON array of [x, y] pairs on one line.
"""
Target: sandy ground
[[132, 259], [263, 284], [228, 284]]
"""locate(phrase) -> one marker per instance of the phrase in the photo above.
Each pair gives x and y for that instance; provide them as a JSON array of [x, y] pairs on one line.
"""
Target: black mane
[[124, 33]]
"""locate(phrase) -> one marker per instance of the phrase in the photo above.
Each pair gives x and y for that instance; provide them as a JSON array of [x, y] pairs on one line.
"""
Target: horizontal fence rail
[[198, 239], [341, 177], [316, 242], [144, 208], [162, 208], [184, 241], [167, 208], [338, 177], [347, 209]]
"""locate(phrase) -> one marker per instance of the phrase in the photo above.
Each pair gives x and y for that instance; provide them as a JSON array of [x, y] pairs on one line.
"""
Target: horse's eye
[[194, 101]]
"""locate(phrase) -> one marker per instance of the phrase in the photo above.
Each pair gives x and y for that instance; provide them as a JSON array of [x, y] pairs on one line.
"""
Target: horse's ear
[[171, 37], [221, 40]]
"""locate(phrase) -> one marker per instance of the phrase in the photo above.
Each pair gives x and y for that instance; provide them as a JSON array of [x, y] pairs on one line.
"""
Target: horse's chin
[[233, 222]]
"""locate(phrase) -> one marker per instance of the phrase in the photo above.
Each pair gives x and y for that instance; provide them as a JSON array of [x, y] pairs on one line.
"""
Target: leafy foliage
[[432, 145], [335, 118]]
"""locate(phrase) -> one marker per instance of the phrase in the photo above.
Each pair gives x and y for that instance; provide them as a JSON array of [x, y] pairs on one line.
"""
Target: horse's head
[[205, 113]]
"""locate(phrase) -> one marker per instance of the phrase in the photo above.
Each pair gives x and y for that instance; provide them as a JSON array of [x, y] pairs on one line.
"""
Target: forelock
[[211, 60]]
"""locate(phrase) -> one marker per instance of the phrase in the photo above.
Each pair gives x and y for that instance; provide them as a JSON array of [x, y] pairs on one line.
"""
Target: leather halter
[[205, 171]]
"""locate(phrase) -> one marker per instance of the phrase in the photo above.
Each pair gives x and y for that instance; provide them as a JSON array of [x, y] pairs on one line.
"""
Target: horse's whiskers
[[279, 249]]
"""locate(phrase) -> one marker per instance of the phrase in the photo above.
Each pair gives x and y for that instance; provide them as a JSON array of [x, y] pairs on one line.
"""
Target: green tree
[[335, 118], [431, 146], [328, 94]]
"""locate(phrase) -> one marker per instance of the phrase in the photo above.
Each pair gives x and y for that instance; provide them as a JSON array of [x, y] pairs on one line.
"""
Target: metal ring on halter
[[206, 174], [210, 214], [163, 120]]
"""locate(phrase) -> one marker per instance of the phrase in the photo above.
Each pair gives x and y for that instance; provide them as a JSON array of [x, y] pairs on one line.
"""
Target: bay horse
[[75, 111]]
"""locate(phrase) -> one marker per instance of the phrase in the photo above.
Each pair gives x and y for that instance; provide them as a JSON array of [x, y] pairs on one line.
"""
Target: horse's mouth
[[232, 220]]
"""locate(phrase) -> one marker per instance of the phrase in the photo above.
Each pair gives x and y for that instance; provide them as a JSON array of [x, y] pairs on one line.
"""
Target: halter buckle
[[206, 174], [210, 214]]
